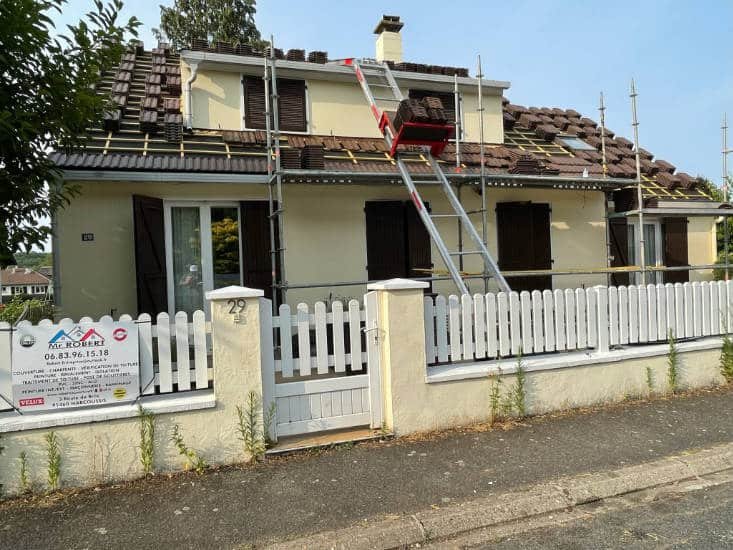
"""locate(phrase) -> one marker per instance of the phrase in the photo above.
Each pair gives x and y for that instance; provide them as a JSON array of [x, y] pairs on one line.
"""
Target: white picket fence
[[493, 326], [174, 356], [323, 370]]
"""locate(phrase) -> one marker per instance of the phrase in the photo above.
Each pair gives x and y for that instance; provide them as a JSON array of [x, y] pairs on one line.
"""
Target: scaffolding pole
[[276, 202], [457, 110], [484, 221], [639, 196], [726, 231]]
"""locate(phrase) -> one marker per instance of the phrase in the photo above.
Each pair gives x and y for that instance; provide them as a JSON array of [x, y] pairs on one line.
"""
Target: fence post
[[237, 345], [400, 326], [602, 318]]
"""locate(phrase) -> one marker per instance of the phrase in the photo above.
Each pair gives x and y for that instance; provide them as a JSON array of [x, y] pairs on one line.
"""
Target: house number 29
[[236, 306]]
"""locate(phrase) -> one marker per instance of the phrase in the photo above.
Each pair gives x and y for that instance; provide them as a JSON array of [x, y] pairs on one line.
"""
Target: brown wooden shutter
[[385, 240], [446, 98], [292, 105], [523, 235], [419, 246], [150, 271], [254, 102], [674, 231], [256, 259], [618, 233]]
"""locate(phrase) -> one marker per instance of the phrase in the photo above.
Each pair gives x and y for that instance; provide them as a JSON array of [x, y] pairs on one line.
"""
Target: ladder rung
[[474, 211], [445, 215], [426, 181], [388, 99], [465, 253]]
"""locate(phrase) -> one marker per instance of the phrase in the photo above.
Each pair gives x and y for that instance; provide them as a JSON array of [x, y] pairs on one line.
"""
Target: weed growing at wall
[[519, 393], [248, 425], [268, 422], [147, 439], [24, 478], [726, 359], [1, 452], [495, 396], [649, 380], [193, 460], [53, 454], [673, 364]]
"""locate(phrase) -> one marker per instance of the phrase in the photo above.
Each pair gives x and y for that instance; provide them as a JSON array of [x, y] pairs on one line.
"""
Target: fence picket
[[429, 320], [689, 314], [662, 332], [479, 318], [729, 304], [671, 309], [454, 324], [538, 340], [651, 296], [601, 297], [643, 314], [441, 328], [623, 315], [613, 338], [548, 321], [304, 340], [200, 362], [714, 309], [355, 335], [526, 307], [145, 338], [580, 325], [286, 341], [183, 363], [491, 344], [559, 308], [705, 309], [697, 308], [591, 297], [467, 325], [337, 325], [722, 303], [165, 371], [503, 320], [319, 312], [680, 315], [515, 332], [571, 336]]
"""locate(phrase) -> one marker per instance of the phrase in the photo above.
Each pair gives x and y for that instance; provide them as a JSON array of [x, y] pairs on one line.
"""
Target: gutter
[[341, 177], [328, 71], [189, 98]]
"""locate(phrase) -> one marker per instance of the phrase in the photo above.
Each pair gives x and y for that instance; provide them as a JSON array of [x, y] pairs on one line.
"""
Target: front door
[[203, 251]]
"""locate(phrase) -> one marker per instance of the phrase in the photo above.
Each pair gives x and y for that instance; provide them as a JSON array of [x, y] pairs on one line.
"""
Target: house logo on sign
[[77, 337], [27, 340]]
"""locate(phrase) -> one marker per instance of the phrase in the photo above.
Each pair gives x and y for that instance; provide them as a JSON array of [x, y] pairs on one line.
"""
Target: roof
[[146, 136], [14, 275]]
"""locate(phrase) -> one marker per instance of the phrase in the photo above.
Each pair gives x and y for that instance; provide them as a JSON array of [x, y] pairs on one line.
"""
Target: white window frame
[[655, 277], [207, 260]]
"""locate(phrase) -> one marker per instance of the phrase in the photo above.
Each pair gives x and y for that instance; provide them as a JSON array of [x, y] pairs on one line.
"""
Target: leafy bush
[[31, 309]]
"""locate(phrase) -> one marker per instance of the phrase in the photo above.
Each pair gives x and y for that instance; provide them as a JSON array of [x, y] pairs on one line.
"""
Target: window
[[576, 143], [652, 249], [291, 106], [398, 245]]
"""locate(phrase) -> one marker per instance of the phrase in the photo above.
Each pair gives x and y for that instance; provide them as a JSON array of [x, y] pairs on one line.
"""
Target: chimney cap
[[389, 23]]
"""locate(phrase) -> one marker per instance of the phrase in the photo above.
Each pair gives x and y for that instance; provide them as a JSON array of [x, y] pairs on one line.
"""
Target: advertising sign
[[61, 367]]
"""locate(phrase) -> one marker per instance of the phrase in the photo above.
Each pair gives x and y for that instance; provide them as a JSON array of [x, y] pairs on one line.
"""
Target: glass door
[[203, 252], [652, 249]]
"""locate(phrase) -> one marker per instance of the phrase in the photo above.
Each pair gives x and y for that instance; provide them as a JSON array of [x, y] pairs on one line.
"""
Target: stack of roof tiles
[[313, 157]]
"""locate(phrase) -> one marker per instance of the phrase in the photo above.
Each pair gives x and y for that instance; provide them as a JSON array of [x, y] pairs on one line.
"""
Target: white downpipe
[[189, 97]]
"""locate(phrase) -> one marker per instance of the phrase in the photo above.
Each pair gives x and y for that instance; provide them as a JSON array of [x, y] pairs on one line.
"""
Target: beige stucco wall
[[337, 108], [325, 237], [702, 246], [412, 405], [100, 452]]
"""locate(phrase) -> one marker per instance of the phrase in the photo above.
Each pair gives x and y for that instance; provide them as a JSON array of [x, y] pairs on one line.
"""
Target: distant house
[[16, 280]]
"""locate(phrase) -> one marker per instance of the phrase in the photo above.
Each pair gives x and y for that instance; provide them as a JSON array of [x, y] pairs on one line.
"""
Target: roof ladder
[[370, 74]]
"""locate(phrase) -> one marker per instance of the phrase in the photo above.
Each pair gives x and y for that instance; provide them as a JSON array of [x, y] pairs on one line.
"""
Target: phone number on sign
[[76, 354]]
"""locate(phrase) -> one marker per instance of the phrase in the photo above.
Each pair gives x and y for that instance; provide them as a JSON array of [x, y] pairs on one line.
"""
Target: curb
[[561, 494]]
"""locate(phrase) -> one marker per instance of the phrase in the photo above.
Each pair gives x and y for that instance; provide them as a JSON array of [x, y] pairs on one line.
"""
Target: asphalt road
[[309, 493], [700, 519]]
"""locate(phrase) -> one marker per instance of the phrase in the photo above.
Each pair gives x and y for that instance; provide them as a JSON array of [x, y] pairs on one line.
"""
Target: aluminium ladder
[[381, 79]]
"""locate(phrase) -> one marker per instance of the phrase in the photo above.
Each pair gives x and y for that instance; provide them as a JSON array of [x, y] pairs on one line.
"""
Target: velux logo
[[77, 337]]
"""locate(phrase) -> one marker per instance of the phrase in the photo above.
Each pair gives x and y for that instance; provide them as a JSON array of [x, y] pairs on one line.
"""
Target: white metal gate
[[321, 367]]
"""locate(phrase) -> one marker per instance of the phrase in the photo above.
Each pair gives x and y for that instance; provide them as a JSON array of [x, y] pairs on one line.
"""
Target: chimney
[[389, 41]]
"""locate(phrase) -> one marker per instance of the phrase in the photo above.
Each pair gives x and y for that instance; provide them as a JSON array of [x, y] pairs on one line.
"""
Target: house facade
[[174, 188], [22, 281]]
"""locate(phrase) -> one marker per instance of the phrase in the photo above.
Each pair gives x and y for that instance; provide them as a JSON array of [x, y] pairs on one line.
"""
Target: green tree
[[47, 103], [226, 20]]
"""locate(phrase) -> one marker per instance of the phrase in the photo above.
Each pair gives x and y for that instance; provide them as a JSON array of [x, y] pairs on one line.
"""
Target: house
[[22, 281], [174, 187]]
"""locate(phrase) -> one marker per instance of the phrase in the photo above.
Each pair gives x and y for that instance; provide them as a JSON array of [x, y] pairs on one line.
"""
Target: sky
[[555, 53]]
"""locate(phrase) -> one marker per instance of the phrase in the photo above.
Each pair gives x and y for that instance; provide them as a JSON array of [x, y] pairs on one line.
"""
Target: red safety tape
[[416, 200]]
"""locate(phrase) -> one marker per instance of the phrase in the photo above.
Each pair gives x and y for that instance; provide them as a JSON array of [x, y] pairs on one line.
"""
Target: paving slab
[[312, 492]]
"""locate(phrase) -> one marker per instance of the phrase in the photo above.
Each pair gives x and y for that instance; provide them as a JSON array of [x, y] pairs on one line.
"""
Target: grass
[[147, 440], [519, 392], [24, 478], [649, 380], [53, 453], [726, 359], [673, 364], [193, 460]]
